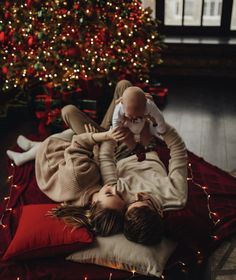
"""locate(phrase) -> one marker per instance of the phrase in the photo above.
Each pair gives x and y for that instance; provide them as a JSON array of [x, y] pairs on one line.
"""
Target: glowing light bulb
[[2, 225], [215, 237]]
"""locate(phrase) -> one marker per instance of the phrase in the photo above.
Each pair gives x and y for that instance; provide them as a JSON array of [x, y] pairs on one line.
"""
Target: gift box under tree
[[48, 101]]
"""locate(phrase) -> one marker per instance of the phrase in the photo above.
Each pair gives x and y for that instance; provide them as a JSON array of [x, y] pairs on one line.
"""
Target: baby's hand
[[151, 119], [118, 133]]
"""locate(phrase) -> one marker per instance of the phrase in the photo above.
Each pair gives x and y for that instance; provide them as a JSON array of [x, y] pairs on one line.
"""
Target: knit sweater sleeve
[[79, 160], [177, 166], [107, 162], [64, 170]]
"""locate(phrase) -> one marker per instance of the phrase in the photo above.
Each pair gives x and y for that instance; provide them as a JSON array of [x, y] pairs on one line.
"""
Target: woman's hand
[[119, 133], [90, 128]]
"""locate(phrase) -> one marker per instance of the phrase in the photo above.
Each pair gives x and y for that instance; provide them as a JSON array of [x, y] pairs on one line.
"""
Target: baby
[[133, 110]]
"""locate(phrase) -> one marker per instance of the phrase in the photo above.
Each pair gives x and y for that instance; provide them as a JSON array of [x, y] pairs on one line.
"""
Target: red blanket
[[208, 218]]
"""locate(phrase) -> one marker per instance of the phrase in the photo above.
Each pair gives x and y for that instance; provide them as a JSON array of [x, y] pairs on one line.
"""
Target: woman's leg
[[21, 158], [25, 143], [76, 119], [120, 88]]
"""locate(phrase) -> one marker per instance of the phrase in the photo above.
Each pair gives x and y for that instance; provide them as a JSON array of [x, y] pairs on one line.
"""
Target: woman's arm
[[107, 162]]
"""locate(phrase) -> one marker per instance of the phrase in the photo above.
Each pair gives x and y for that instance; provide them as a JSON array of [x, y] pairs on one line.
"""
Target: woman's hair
[[143, 225], [103, 221]]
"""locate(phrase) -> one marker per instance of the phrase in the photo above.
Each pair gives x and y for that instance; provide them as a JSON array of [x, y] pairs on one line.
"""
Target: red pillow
[[39, 235]]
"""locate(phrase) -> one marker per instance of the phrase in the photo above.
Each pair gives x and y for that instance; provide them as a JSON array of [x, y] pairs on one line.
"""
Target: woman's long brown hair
[[103, 221]]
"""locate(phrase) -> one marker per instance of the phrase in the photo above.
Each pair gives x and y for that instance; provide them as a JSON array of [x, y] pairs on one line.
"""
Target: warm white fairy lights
[[8, 198], [10, 209], [212, 215]]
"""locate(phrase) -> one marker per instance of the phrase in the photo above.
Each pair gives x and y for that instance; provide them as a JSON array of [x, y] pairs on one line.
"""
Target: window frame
[[220, 31]]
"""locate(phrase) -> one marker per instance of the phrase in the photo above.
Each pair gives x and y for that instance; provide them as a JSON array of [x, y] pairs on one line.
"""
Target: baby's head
[[134, 102]]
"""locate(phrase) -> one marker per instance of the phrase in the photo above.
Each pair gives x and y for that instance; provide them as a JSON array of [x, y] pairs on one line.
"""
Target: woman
[[67, 170]]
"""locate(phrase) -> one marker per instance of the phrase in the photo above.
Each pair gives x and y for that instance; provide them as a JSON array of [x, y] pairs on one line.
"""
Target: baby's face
[[133, 112], [134, 103]]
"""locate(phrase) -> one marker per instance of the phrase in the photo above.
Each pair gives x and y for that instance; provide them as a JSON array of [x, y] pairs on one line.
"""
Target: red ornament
[[72, 52], [62, 11], [31, 70], [4, 70], [15, 59], [77, 6], [2, 36], [28, 3], [6, 15], [7, 4], [31, 41]]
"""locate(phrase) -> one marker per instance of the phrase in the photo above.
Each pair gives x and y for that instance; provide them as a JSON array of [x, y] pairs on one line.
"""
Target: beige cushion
[[118, 252]]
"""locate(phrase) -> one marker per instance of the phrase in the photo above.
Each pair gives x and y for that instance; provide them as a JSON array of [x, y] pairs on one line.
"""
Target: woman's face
[[110, 198]]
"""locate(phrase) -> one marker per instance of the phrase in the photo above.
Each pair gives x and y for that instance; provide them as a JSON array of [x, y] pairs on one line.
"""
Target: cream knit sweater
[[150, 176], [66, 170]]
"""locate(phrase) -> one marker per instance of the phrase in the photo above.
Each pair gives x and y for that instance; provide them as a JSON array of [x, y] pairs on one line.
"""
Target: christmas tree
[[67, 42]]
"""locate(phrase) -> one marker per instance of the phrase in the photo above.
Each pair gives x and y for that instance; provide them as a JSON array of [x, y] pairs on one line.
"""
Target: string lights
[[8, 209], [110, 276], [48, 41], [213, 216]]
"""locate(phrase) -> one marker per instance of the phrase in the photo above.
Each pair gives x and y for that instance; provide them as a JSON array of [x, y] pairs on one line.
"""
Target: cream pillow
[[118, 252]]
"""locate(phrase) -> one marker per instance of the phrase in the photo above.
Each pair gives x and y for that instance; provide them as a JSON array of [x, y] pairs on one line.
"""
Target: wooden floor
[[203, 111]]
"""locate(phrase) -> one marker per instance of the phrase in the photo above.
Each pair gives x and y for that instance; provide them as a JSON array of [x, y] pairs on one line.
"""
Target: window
[[151, 4], [233, 17], [197, 17], [212, 13]]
